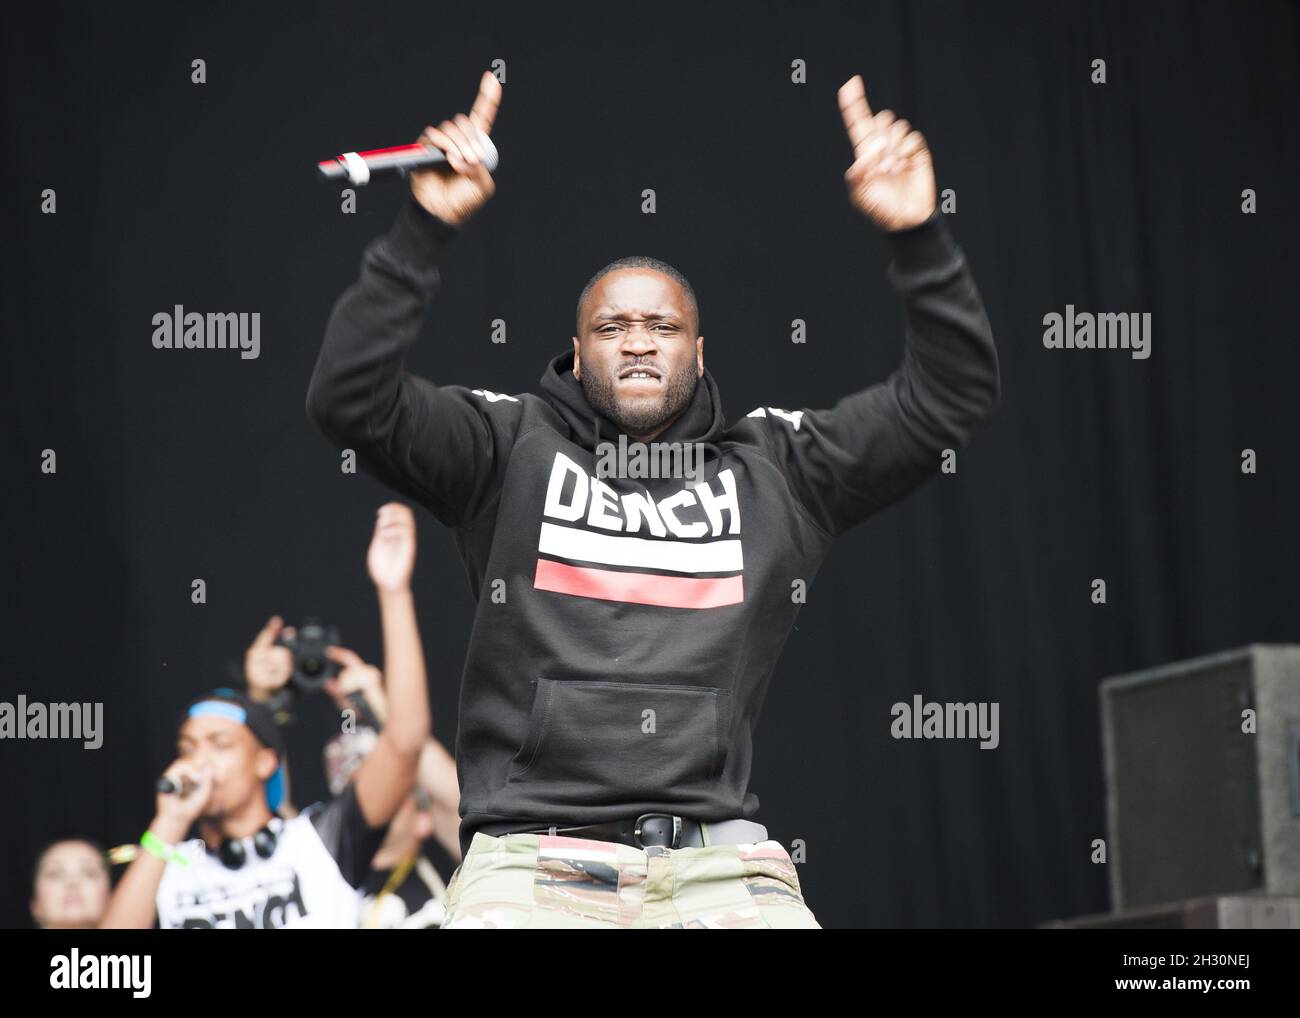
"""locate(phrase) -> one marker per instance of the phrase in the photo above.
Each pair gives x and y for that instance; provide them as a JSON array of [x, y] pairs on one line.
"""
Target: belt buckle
[[677, 827]]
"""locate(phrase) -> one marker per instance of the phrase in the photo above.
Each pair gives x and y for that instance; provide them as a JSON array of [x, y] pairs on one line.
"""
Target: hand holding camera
[[308, 648], [359, 686]]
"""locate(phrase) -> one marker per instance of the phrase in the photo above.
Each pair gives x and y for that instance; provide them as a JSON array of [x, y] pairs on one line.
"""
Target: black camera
[[310, 665]]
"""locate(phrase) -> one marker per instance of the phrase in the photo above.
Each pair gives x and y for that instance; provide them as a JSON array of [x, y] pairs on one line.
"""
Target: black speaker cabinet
[[1196, 804]]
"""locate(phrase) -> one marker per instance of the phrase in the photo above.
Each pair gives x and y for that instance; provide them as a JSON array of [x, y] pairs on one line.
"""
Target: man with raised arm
[[627, 627]]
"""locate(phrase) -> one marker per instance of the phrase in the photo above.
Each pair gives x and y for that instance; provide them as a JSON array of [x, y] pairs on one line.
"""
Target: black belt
[[648, 829], [666, 829]]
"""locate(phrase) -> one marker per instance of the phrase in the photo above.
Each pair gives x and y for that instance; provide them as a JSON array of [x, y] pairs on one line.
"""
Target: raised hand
[[891, 180], [458, 188], [392, 550], [267, 666]]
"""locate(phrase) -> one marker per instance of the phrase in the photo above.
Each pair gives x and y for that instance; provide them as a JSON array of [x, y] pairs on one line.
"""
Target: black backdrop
[[1117, 197]]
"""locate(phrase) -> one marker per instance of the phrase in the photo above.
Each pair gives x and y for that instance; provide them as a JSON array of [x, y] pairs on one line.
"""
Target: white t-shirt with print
[[311, 880]]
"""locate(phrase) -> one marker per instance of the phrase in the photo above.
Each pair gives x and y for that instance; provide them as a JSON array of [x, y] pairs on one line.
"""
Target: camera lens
[[311, 665]]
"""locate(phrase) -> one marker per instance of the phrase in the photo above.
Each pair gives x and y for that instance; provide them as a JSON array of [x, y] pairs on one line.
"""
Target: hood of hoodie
[[701, 422]]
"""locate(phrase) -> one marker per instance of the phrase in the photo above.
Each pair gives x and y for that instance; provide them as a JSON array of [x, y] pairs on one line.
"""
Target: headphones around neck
[[233, 852]]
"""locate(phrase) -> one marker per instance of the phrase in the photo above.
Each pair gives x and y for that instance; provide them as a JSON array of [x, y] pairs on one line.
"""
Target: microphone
[[168, 787], [358, 167]]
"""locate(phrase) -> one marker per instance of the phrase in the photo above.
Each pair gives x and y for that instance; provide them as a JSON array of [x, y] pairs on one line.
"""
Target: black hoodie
[[626, 629]]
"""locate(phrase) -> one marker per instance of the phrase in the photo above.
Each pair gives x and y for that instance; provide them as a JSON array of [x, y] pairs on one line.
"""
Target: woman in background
[[70, 885]]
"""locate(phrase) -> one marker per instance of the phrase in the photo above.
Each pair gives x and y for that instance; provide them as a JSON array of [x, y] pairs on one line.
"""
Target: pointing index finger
[[486, 103], [269, 632], [855, 109]]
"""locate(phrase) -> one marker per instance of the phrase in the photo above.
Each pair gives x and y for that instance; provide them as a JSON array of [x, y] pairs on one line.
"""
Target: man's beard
[[641, 416]]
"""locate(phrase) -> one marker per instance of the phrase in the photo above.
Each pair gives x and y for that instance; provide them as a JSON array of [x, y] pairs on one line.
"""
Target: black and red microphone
[[358, 167]]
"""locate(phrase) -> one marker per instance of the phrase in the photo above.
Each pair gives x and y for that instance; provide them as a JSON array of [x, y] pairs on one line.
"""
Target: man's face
[[240, 764], [638, 319]]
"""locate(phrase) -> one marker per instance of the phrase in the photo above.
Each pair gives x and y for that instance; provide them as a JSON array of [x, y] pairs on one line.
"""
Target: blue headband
[[219, 709]]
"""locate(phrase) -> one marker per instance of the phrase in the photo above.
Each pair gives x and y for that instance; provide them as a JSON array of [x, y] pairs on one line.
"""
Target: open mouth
[[643, 375]]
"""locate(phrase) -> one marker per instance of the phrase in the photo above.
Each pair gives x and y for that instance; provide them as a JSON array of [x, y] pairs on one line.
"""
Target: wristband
[[155, 845]]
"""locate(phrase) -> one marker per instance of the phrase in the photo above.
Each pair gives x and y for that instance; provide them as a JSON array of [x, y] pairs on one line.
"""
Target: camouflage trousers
[[539, 881]]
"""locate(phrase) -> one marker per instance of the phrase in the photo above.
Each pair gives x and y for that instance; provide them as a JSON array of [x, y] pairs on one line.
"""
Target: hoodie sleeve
[[874, 446], [443, 446]]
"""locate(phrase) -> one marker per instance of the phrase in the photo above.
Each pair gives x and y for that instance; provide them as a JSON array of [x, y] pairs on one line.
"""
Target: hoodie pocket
[[622, 739]]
